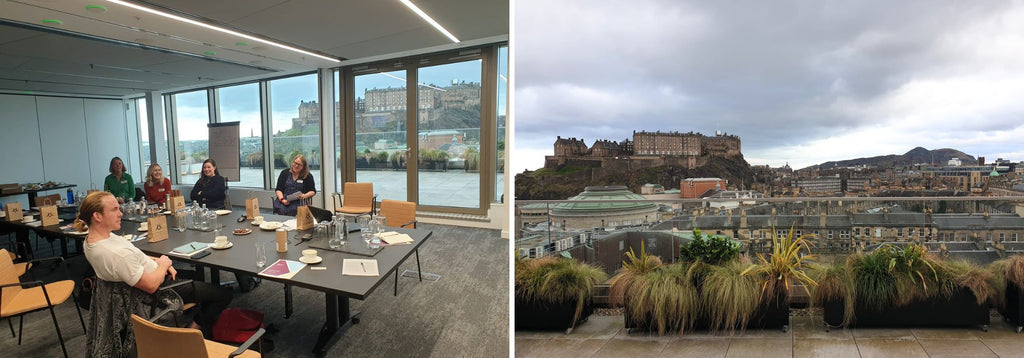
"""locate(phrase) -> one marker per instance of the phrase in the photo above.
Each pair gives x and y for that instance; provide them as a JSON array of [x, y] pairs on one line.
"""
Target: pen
[[193, 246], [361, 265]]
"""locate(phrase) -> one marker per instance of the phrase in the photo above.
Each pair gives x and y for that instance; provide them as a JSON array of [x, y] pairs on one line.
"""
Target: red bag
[[236, 325]]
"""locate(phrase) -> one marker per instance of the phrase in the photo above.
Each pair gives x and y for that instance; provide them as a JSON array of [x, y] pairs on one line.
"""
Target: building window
[[830, 234], [191, 114], [899, 232], [1013, 237], [242, 104], [381, 150], [448, 128], [295, 124]]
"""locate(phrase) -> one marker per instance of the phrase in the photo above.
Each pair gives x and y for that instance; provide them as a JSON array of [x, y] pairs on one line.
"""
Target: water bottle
[[340, 233], [71, 197]]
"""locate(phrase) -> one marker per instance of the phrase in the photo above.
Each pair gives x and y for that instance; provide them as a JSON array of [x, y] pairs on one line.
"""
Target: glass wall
[[143, 116], [295, 124], [242, 104], [192, 114], [338, 179], [380, 139], [448, 134], [502, 103]]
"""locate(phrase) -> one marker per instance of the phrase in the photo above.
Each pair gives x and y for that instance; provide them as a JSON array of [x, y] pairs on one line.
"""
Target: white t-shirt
[[117, 260]]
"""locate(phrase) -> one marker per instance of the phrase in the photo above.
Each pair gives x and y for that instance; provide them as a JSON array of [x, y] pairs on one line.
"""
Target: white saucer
[[222, 212], [271, 225], [143, 230], [228, 246], [313, 261]]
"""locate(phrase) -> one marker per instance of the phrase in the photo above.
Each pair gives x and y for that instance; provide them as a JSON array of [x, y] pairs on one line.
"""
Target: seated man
[[115, 259]]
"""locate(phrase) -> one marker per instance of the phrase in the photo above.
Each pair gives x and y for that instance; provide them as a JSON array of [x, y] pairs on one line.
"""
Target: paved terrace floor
[[604, 336]]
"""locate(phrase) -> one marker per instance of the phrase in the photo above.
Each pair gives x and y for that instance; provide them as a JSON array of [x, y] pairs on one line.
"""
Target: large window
[[192, 114], [295, 124], [499, 158], [143, 116], [381, 151], [242, 104], [448, 136]]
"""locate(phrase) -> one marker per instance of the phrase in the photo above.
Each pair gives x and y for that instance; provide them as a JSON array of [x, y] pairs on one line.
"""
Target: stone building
[[691, 188], [584, 212], [568, 147]]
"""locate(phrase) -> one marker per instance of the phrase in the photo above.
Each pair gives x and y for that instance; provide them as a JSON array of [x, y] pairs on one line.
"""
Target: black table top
[[241, 257]]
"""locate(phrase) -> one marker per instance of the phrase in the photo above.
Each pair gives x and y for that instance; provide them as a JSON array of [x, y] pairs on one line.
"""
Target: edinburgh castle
[[689, 150]]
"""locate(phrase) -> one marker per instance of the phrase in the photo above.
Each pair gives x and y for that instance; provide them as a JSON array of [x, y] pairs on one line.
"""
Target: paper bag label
[[303, 218], [157, 228], [49, 215], [13, 211]]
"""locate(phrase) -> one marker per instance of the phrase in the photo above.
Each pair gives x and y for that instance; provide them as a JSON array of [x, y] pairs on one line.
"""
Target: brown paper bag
[[303, 218], [13, 211], [157, 228], [252, 208], [48, 214], [176, 203]]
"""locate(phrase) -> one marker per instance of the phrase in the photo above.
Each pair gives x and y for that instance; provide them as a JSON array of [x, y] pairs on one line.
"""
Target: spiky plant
[[1010, 269], [835, 284], [671, 299], [729, 298], [873, 282], [634, 267], [784, 266], [963, 273], [554, 280]]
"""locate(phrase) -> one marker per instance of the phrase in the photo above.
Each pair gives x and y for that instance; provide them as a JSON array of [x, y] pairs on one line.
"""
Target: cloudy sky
[[800, 82]]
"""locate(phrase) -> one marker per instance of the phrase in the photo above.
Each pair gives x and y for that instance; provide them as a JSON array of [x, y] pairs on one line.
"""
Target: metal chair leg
[[418, 270], [59, 335], [287, 301], [11, 324], [396, 282]]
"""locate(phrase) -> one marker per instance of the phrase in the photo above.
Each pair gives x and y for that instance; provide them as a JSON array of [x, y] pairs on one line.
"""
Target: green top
[[124, 189]]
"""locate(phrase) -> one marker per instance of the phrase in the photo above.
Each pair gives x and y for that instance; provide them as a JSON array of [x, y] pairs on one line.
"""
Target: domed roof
[[593, 199], [994, 173]]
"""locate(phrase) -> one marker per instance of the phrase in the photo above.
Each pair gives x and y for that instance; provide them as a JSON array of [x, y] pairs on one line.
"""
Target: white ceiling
[[123, 51]]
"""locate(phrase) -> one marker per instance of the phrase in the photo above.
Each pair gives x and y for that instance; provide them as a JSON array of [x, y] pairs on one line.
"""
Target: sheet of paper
[[397, 239], [356, 267], [283, 269]]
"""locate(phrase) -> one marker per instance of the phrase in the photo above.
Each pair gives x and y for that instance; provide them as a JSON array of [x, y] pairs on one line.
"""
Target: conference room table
[[52, 232], [338, 289]]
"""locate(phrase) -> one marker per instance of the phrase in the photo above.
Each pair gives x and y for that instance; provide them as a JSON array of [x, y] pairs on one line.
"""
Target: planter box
[[1012, 313], [960, 309], [771, 315], [549, 316]]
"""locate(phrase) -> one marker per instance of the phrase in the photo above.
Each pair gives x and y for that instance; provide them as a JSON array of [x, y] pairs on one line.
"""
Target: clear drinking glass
[[261, 254], [180, 217], [366, 228]]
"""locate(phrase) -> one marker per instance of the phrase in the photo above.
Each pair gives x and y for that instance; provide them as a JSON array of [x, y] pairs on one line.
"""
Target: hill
[[917, 155]]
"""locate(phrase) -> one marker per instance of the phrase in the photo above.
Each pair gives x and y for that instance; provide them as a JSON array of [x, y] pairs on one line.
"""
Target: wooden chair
[[401, 214], [359, 199], [156, 341], [20, 298]]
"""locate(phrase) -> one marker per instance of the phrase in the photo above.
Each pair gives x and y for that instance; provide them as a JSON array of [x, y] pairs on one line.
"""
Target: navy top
[[210, 191]]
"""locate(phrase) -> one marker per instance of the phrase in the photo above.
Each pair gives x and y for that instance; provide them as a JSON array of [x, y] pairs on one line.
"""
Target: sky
[[800, 82]]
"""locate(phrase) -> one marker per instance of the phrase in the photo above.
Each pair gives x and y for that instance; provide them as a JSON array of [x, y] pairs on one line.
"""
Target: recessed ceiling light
[[221, 29], [429, 20], [52, 22], [99, 9]]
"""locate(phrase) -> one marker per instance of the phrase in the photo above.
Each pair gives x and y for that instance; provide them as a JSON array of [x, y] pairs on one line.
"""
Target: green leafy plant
[[709, 249], [784, 265]]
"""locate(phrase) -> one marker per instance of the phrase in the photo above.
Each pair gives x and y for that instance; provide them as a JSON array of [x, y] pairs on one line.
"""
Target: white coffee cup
[[144, 226], [28, 218], [258, 220], [220, 241], [309, 254]]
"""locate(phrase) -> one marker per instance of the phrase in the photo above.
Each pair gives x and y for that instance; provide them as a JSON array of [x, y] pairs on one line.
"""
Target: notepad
[[394, 238], [190, 249], [356, 267], [283, 269]]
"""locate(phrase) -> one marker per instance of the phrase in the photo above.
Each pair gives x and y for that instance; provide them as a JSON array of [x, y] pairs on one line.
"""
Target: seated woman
[[211, 188], [115, 259], [157, 186], [119, 182], [295, 183]]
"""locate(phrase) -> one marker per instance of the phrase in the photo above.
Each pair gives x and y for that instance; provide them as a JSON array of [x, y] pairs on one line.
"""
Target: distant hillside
[[567, 181], [914, 156]]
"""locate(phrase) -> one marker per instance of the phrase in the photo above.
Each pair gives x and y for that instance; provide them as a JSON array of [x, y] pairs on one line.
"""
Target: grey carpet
[[465, 314]]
